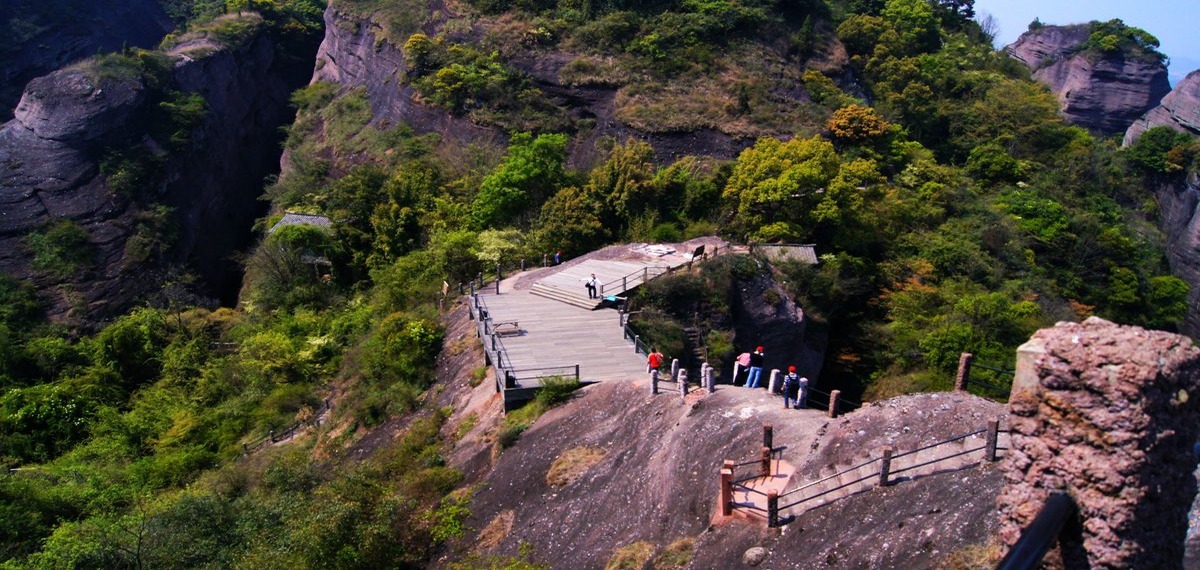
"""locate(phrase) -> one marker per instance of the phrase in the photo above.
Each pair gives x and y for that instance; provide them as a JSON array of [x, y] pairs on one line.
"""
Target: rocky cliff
[[1179, 218], [1179, 110], [356, 53], [39, 39], [57, 163], [1103, 92]]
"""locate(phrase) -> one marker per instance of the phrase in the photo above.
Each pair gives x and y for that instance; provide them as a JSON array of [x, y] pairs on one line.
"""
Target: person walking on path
[[654, 361], [558, 257], [591, 285], [792, 388], [756, 364]]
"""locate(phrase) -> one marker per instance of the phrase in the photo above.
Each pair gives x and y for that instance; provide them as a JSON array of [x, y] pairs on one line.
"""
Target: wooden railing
[[882, 475]]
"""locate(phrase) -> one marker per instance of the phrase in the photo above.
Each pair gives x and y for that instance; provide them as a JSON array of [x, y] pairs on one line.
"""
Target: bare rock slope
[[1179, 110], [657, 481], [1104, 93]]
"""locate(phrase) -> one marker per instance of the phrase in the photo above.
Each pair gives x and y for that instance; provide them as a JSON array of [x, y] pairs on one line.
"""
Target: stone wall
[[1108, 414]]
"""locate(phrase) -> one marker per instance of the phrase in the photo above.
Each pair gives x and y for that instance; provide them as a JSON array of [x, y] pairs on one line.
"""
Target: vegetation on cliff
[[952, 209]]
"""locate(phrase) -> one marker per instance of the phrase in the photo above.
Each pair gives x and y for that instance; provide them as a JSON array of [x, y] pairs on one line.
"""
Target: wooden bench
[[507, 328]]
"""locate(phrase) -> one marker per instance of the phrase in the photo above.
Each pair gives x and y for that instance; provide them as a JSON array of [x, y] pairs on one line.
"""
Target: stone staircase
[[567, 285]]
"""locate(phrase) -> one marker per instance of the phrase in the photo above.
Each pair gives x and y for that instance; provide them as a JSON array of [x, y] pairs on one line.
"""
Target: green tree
[[531, 171]]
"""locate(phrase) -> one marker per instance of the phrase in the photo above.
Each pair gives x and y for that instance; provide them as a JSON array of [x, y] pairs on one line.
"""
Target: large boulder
[[1103, 92], [78, 104], [1179, 110]]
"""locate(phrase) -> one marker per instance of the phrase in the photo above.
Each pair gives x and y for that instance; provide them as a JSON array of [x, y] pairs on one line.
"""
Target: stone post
[[834, 398], [885, 465], [964, 372], [1109, 415], [774, 382], [727, 488], [737, 367], [772, 509], [710, 379], [993, 436], [654, 382], [683, 387], [675, 369]]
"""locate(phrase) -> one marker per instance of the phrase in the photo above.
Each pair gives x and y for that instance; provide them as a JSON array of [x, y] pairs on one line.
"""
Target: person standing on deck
[[591, 285], [756, 365]]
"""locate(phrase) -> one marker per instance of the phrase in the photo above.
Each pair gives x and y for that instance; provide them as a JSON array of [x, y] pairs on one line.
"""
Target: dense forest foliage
[[952, 209]]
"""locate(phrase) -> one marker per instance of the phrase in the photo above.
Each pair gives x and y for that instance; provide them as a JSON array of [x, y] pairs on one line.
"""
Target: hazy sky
[[1176, 23]]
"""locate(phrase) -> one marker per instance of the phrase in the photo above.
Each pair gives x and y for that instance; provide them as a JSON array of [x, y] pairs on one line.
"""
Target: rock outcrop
[[1108, 415], [93, 26], [355, 54], [1104, 93], [1179, 219], [1179, 110], [69, 122]]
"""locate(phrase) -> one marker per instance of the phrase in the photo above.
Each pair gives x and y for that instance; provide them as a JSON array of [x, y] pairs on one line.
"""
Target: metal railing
[[1041, 534], [633, 279], [883, 475], [286, 434]]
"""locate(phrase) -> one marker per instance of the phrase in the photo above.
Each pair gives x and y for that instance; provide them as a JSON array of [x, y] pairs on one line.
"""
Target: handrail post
[[636, 339], [963, 377], [773, 509], [885, 467], [834, 396], [768, 436], [727, 488], [765, 462], [576, 371], [654, 382], [993, 436], [683, 386]]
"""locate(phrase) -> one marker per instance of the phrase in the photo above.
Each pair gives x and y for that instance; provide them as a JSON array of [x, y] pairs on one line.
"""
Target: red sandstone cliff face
[[66, 125], [1104, 93], [1179, 218], [1179, 110]]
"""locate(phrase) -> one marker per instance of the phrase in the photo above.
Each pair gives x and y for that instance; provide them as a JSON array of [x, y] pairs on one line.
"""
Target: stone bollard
[[675, 369], [1109, 415], [683, 386], [993, 437], [772, 509], [727, 488], [964, 372], [710, 380], [834, 398], [737, 367], [774, 383], [654, 382]]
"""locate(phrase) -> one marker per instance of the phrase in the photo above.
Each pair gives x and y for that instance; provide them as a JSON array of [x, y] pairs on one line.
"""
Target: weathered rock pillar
[[1107, 414]]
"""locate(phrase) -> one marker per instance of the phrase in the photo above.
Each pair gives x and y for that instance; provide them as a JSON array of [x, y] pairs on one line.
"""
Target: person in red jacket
[[654, 361]]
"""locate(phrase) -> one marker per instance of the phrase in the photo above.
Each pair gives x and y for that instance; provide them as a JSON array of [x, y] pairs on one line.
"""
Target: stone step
[[563, 296]]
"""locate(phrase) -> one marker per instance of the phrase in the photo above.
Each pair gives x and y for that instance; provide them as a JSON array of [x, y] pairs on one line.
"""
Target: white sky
[[1176, 23]]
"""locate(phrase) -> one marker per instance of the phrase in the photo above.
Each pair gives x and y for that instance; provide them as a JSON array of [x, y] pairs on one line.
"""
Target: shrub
[[60, 249]]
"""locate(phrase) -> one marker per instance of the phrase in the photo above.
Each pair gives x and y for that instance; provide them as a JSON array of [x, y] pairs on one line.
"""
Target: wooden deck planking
[[555, 334]]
